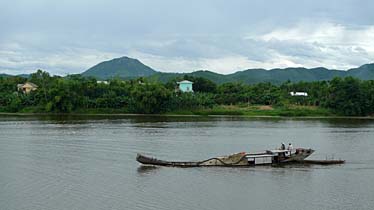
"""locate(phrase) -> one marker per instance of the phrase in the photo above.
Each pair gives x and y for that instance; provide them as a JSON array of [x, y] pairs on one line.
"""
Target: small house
[[102, 82], [298, 93], [27, 87], [185, 86]]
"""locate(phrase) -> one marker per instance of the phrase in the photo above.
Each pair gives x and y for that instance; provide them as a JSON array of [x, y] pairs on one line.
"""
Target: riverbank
[[222, 110], [270, 111]]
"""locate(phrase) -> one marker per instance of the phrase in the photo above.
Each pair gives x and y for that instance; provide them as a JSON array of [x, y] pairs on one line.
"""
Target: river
[[76, 162]]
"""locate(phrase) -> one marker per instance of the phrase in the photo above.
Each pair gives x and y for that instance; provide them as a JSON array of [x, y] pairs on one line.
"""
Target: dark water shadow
[[146, 170]]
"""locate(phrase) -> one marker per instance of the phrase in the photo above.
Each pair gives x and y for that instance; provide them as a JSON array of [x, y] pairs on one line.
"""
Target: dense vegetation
[[342, 96]]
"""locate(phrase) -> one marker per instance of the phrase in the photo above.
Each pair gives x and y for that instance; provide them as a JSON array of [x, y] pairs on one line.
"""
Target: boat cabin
[[269, 157], [260, 159]]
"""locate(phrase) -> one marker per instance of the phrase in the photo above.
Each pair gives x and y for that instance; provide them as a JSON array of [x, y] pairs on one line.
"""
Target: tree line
[[344, 96]]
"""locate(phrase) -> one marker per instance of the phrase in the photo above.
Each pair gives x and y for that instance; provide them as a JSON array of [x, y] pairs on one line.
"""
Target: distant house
[[185, 86], [27, 87], [298, 93], [102, 82]]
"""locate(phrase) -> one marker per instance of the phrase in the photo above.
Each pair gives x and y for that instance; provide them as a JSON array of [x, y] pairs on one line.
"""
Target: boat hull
[[234, 160]]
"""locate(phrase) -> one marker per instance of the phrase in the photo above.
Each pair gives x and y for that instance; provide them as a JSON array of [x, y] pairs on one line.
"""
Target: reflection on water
[[88, 162], [143, 169]]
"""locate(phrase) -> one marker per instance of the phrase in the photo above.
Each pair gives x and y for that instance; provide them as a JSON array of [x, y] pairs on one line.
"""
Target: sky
[[70, 36]]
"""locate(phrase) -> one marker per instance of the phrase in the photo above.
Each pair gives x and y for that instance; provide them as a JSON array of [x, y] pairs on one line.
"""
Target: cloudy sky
[[70, 36]]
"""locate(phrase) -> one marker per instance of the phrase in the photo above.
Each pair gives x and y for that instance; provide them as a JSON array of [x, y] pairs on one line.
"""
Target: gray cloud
[[70, 36]]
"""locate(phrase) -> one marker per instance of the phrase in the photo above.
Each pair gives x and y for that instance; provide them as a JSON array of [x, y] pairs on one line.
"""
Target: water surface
[[72, 162]]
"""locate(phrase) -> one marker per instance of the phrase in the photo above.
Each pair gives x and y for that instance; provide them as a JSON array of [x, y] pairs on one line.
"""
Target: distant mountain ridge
[[128, 68], [276, 76], [18, 75]]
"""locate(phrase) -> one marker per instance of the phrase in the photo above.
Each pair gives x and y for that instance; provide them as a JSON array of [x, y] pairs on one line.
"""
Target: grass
[[238, 110], [289, 111]]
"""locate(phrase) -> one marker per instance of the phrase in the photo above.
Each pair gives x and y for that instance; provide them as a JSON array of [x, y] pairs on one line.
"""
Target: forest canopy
[[343, 96]]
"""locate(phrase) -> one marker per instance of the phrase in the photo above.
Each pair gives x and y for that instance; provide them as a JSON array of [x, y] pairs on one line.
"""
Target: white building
[[102, 82], [298, 93], [185, 86]]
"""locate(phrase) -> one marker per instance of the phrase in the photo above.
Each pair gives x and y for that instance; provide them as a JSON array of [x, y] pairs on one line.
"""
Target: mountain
[[18, 75], [281, 75], [165, 77], [276, 76], [129, 68], [365, 72], [123, 67], [5, 75]]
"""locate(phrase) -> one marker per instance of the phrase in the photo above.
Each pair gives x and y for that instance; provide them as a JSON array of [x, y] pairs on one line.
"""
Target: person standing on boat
[[290, 148], [283, 146]]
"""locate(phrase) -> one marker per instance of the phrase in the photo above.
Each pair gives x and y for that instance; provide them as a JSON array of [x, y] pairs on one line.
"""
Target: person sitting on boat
[[290, 148], [283, 146]]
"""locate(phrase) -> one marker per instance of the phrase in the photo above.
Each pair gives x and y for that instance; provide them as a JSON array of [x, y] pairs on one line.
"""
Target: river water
[[70, 162]]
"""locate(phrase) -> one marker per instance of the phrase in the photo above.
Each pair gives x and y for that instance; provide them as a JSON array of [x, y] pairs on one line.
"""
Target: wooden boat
[[243, 159]]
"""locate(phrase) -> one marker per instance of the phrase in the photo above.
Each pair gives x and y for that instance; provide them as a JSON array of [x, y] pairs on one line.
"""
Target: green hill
[[215, 77], [276, 76], [123, 67], [127, 68], [281, 75], [364, 72], [18, 75], [5, 75]]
